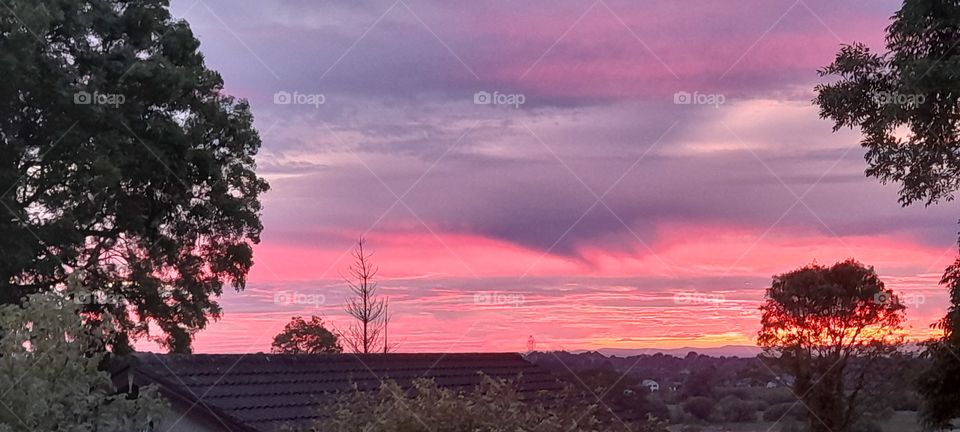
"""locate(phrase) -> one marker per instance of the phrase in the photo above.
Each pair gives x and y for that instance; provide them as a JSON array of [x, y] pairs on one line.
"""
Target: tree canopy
[[302, 337], [827, 326], [906, 102], [123, 158]]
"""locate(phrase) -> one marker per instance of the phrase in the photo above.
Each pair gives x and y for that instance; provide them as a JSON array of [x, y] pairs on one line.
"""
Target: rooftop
[[264, 392]]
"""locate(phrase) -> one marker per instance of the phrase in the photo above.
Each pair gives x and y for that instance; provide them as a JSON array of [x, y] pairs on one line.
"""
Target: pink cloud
[[609, 300]]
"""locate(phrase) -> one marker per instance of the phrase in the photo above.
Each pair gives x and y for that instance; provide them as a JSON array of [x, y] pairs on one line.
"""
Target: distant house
[[785, 380], [651, 385], [266, 392]]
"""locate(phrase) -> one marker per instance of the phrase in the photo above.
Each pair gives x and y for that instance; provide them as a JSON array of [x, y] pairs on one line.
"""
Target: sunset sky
[[600, 212]]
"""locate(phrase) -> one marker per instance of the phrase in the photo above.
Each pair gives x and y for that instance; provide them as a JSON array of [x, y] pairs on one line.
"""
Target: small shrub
[[735, 410], [759, 405], [700, 407], [793, 426], [657, 408], [785, 411], [866, 426], [738, 392], [905, 401], [779, 395]]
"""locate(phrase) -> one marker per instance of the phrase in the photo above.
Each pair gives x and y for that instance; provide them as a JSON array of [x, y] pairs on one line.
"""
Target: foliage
[[785, 411], [622, 396], [301, 337], [494, 406], [828, 327], [867, 426], [778, 395], [49, 373], [700, 407], [906, 102], [939, 385], [122, 158], [736, 410], [369, 332], [701, 382], [912, 88]]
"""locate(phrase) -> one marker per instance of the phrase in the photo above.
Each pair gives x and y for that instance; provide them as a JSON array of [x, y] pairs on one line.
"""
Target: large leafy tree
[[306, 337], [828, 327], [122, 160], [905, 102]]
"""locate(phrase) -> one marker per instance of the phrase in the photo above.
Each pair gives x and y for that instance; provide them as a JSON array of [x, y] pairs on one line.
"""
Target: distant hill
[[724, 351]]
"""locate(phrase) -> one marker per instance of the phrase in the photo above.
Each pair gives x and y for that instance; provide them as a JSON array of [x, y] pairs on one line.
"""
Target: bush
[[866, 426], [779, 395], [492, 407], [905, 401], [735, 410], [785, 411], [738, 392], [793, 426], [699, 407], [657, 408], [49, 369], [759, 405]]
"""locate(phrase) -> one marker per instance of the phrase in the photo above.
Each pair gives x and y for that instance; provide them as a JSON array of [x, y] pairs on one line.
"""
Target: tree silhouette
[[123, 158], [906, 102], [302, 337], [828, 326], [368, 333]]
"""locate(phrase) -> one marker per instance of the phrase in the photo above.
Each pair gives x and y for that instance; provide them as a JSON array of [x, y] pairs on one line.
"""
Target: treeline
[[700, 389]]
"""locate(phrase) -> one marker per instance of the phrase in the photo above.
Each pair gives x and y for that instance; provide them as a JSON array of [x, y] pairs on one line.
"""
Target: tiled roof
[[264, 392]]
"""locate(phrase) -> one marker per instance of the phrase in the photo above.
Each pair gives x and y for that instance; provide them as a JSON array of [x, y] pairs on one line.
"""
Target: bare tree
[[369, 331]]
